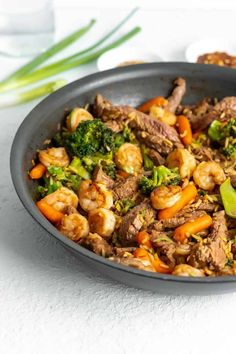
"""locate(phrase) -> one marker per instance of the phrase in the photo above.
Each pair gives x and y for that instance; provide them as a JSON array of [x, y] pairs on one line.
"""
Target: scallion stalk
[[56, 48], [43, 73], [23, 97]]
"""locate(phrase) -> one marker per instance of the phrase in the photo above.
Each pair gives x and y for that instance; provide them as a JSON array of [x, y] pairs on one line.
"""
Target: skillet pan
[[126, 85]]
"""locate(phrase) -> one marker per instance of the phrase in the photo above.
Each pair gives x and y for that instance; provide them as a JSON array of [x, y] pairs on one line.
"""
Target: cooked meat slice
[[133, 262], [223, 110], [233, 180], [165, 249], [97, 244], [99, 176], [123, 251], [177, 94], [156, 157], [211, 252], [125, 188], [114, 125], [142, 122], [178, 220], [139, 217], [137, 120], [157, 142], [233, 250], [203, 153], [104, 109]]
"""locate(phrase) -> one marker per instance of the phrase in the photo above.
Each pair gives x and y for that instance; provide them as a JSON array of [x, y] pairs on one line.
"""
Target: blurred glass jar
[[26, 26]]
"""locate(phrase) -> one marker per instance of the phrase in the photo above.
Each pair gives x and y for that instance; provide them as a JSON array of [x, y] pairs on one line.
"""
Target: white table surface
[[49, 301]]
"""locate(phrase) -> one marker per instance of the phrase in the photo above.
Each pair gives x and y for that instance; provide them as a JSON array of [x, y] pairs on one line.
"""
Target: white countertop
[[49, 301]]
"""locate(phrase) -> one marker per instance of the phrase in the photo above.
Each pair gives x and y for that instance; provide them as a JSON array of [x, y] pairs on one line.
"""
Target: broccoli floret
[[161, 175], [109, 167], [229, 151], [218, 131], [105, 160], [91, 136], [77, 167], [49, 186], [63, 176], [124, 205], [147, 162]]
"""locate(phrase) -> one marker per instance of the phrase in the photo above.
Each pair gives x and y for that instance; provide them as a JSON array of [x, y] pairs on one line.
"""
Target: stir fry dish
[[151, 187]]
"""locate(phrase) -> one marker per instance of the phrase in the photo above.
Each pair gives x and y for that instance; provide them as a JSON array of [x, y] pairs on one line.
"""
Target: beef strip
[[165, 249], [210, 253], [142, 122], [178, 220], [133, 262], [156, 157], [99, 176], [136, 120], [97, 244], [157, 142], [114, 125], [123, 251], [140, 216], [233, 180], [177, 94], [223, 110], [125, 188]]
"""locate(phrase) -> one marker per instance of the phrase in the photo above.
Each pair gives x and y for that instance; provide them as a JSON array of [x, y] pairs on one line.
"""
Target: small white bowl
[[118, 56], [209, 45]]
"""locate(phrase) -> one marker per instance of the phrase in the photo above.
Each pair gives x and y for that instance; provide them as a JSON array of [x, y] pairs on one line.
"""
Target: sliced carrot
[[155, 262], [49, 212], [155, 101], [184, 231], [123, 174], [160, 266], [143, 238], [189, 193], [37, 171], [185, 130]]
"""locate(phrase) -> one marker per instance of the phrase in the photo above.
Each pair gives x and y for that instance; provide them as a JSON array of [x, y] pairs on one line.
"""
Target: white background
[[49, 301]]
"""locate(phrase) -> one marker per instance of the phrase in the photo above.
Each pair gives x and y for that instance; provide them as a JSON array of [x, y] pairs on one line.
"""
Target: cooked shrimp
[[208, 174], [102, 222], [74, 226], [129, 158], [184, 160], [186, 270], [54, 157], [94, 195], [76, 116], [61, 199], [163, 115], [165, 196]]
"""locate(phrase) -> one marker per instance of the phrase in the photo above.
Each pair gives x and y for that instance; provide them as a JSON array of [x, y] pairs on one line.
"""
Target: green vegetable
[[215, 131], [43, 73], [229, 262], [62, 176], [219, 131], [124, 205], [50, 186], [23, 97], [228, 196], [230, 150], [105, 160], [109, 167], [161, 175], [90, 137], [147, 162], [77, 167], [59, 46]]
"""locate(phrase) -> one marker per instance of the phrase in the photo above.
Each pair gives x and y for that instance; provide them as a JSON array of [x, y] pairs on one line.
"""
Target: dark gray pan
[[129, 85]]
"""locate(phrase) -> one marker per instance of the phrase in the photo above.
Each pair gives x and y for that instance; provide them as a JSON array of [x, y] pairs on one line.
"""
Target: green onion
[[65, 42], [94, 46], [43, 73], [23, 97]]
